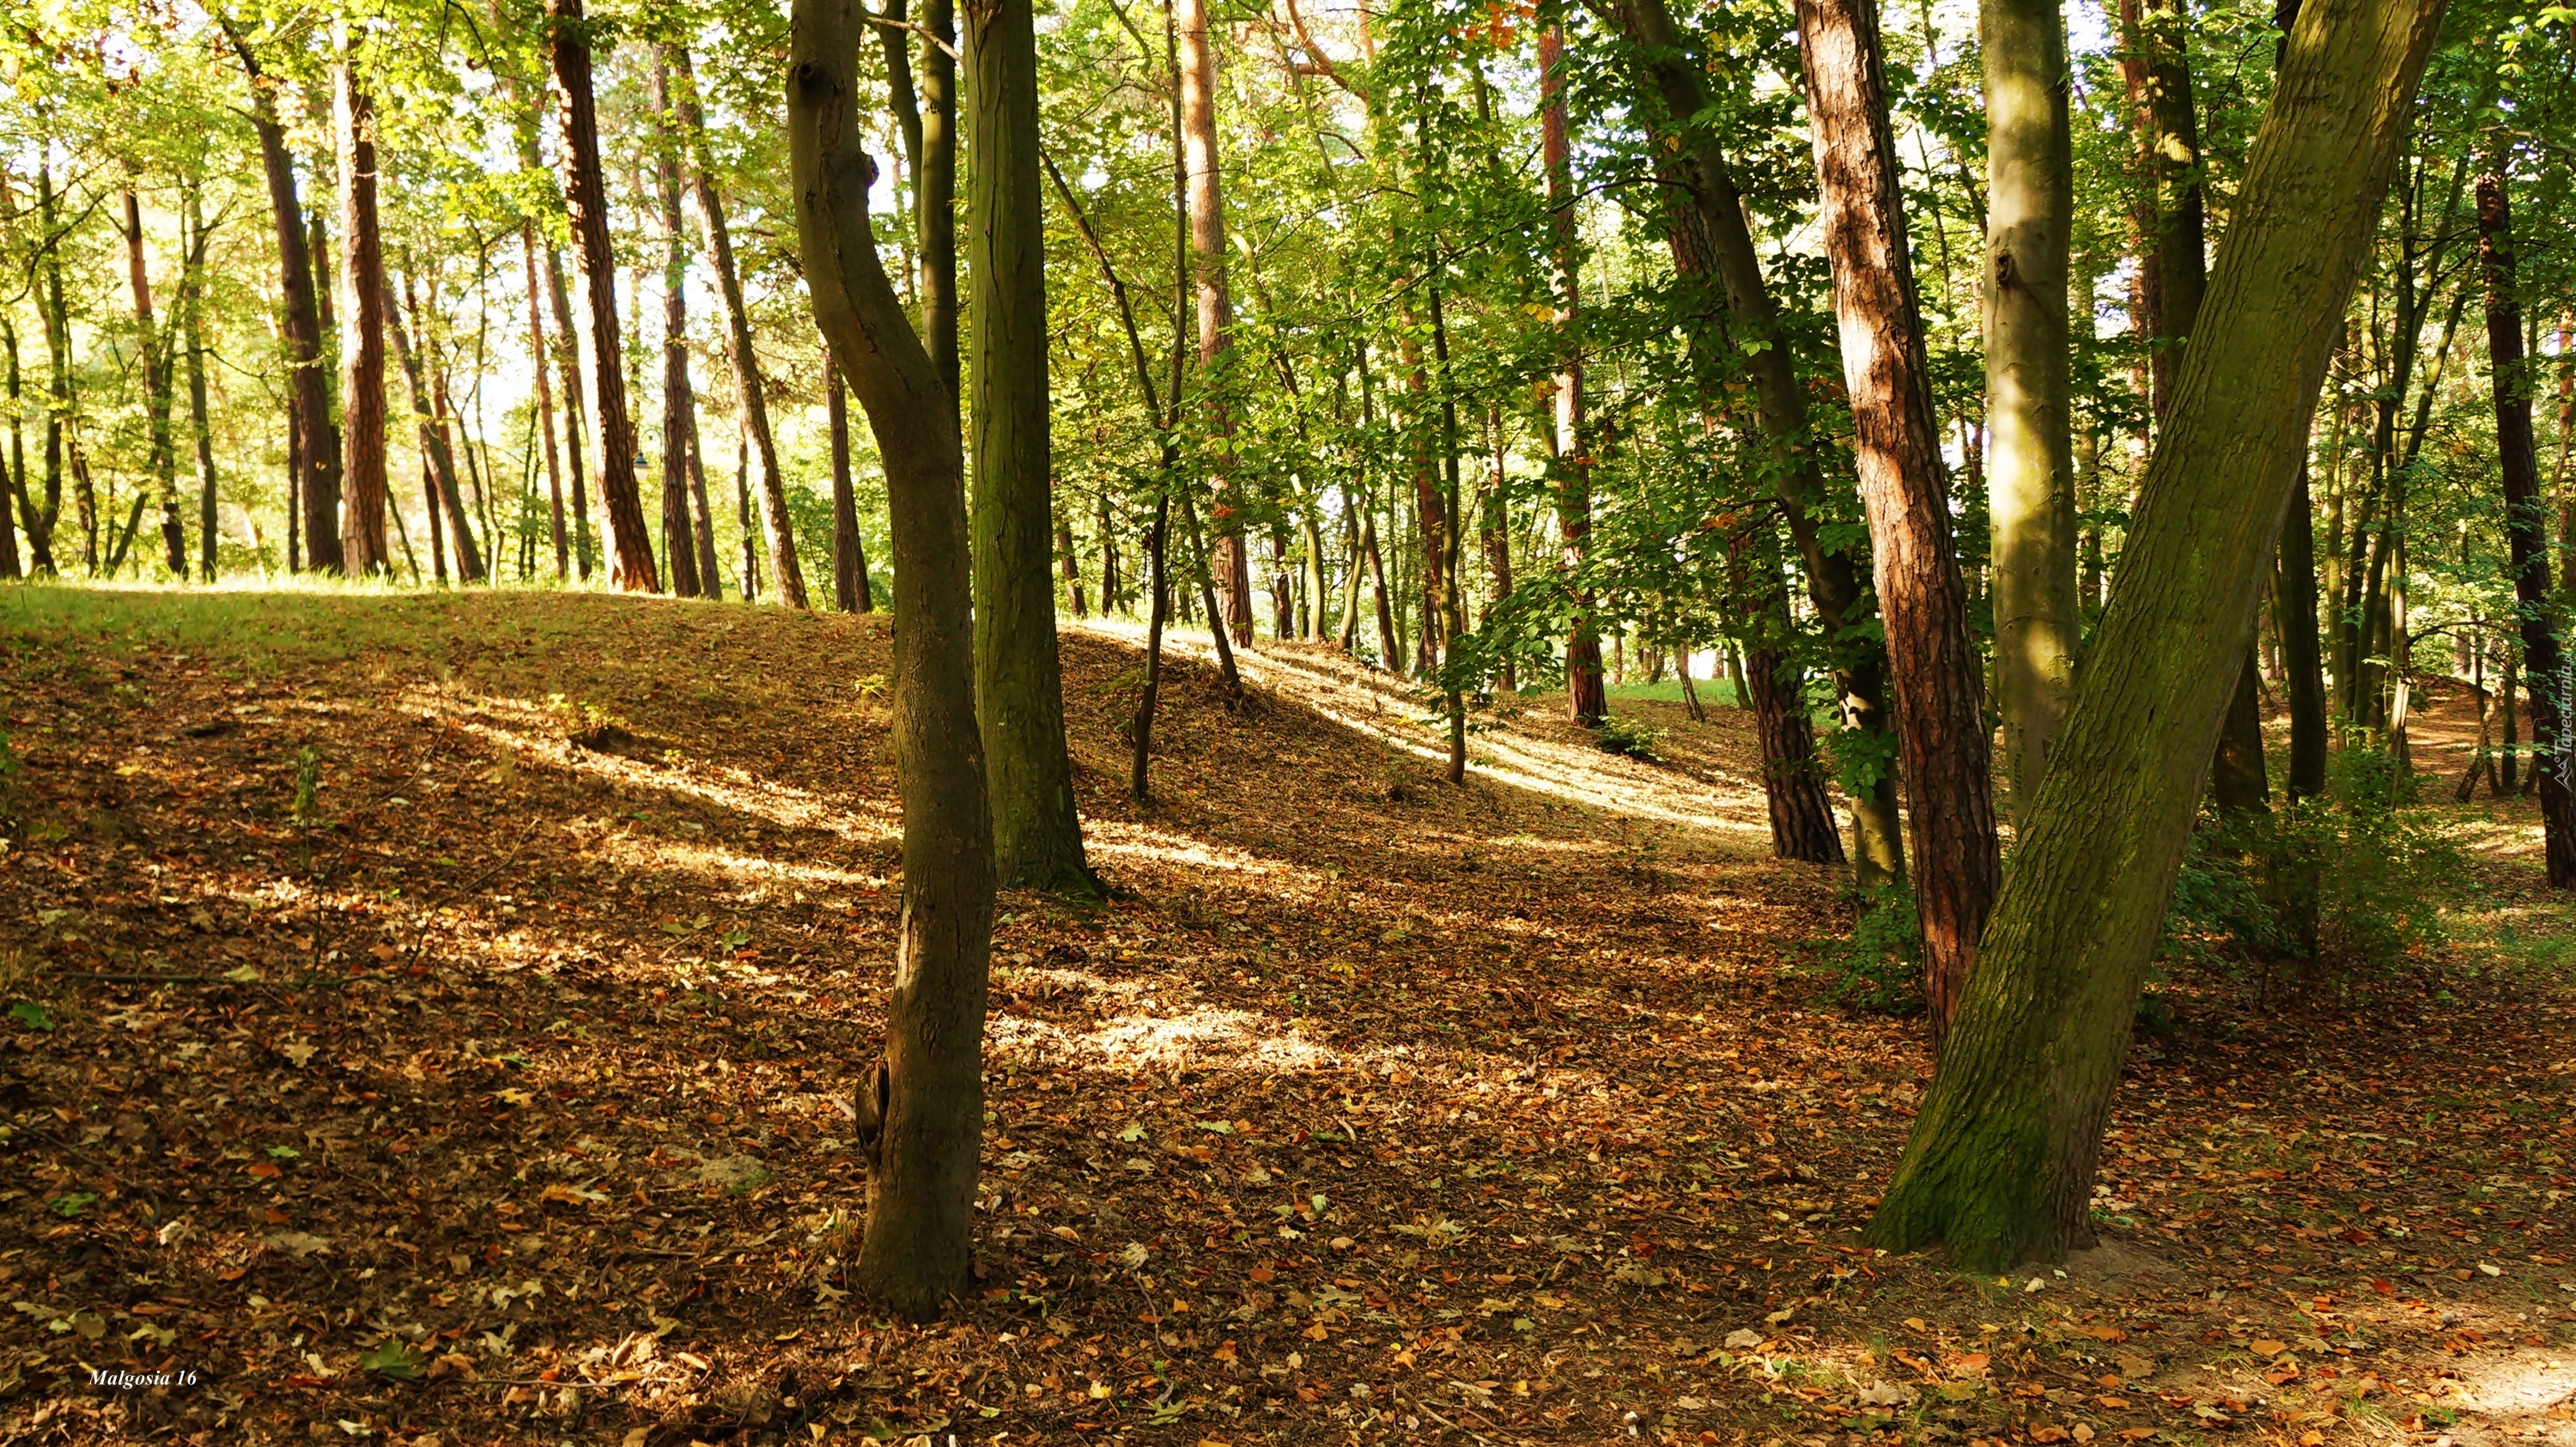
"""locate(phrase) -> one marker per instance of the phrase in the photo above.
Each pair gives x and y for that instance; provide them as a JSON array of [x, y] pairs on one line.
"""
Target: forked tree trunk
[[2000, 1163], [1941, 727], [1833, 581], [1019, 680], [363, 549], [921, 1107], [1231, 562], [1585, 696], [2030, 462], [749, 399], [679, 405], [2526, 522], [630, 538]]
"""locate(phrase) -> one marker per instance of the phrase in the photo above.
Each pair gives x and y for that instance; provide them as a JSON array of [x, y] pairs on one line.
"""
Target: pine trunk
[[313, 443], [1941, 728], [2000, 1162], [1231, 562], [921, 1108]]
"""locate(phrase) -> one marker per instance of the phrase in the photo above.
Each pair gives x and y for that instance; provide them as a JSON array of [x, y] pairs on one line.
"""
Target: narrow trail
[[500, 1095]]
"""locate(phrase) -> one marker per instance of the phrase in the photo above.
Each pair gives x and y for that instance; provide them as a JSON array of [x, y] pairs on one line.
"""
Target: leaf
[[395, 1359], [298, 1243], [2265, 1346], [31, 1015], [1133, 1131], [298, 1053], [72, 1203]]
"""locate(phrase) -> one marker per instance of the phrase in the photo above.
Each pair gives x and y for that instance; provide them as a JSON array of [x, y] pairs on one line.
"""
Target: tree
[[2527, 524], [630, 540], [1231, 562], [1940, 719], [921, 1106], [679, 407], [1584, 693], [362, 330], [314, 442], [153, 355], [1019, 682], [2030, 461], [1999, 1165], [850, 591]]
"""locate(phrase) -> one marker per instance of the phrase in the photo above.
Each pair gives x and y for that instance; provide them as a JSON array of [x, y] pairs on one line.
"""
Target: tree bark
[[850, 591], [1585, 696], [785, 570], [2526, 522], [630, 538], [2030, 486], [1019, 679], [922, 1108], [1231, 562], [1833, 581], [152, 354], [2294, 616], [437, 457], [1941, 728], [679, 403], [314, 447], [2000, 1162], [192, 337], [362, 331], [540, 354]]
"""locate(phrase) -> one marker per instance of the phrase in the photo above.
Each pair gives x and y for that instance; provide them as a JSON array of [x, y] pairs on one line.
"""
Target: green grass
[[1713, 692]]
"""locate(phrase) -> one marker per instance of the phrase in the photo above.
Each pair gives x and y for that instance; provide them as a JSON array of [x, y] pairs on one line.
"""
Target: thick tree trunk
[[679, 403], [2526, 522], [2030, 478], [1232, 561], [850, 592], [1019, 680], [1585, 696], [934, 182], [314, 444], [749, 399], [630, 538], [2000, 1163], [921, 1108], [1941, 728], [152, 354], [1833, 581], [362, 332]]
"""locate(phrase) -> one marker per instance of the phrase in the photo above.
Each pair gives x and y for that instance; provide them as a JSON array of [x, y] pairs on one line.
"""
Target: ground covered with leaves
[[432, 1019]]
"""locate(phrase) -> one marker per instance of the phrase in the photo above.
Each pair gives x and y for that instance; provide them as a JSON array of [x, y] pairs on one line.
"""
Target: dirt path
[[498, 1095]]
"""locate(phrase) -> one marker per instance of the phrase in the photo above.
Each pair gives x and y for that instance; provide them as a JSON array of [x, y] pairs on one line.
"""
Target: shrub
[[1879, 965], [1629, 737]]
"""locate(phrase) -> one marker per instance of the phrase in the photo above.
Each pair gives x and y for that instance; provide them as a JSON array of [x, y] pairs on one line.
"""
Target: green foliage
[[395, 1359], [31, 1015], [1878, 966], [308, 784], [1630, 737]]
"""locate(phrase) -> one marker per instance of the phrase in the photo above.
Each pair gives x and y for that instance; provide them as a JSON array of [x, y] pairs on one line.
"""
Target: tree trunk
[[679, 403], [152, 354], [2237, 782], [850, 592], [1019, 679], [62, 442], [2030, 487], [314, 444], [438, 459], [576, 431], [2526, 523], [2000, 1162], [1941, 728], [38, 519], [1232, 561], [362, 331], [545, 402], [2294, 616], [630, 539], [192, 304], [921, 1108], [749, 399], [1585, 696], [1833, 582]]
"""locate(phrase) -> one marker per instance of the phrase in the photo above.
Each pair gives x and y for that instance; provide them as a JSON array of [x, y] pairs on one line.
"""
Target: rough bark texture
[[314, 442], [362, 334], [1833, 581], [2238, 783], [2030, 462], [1941, 728], [2000, 1162], [1019, 681], [1231, 562], [679, 403], [749, 399], [2527, 529], [921, 1109], [630, 538], [1585, 695]]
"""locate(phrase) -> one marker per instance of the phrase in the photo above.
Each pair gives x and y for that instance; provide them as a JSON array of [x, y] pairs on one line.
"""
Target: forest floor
[[499, 1093]]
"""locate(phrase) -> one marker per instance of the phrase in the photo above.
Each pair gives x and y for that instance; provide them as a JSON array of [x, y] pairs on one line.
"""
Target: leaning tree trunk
[[679, 423], [362, 332], [1231, 560], [314, 452], [921, 1107], [2000, 1162], [1833, 581], [1941, 727], [1585, 696], [152, 354], [630, 538], [2030, 462], [2526, 524], [749, 398], [436, 456], [1019, 680]]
